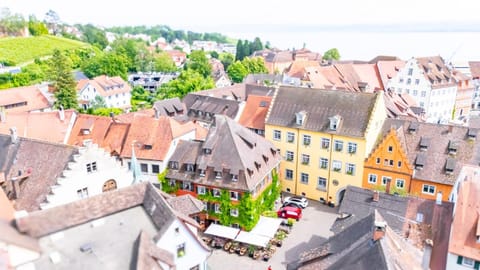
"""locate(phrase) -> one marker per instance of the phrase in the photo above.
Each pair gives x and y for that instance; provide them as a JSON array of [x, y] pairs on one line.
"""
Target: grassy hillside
[[23, 49]]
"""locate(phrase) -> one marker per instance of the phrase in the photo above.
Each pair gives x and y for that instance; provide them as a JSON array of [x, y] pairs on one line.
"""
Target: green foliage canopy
[[331, 54], [60, 74]]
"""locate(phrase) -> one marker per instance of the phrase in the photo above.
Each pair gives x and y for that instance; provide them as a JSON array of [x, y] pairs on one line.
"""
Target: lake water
[[453, 46]]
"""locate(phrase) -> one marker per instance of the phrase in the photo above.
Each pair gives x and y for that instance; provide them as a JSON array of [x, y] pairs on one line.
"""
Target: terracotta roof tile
[[255, 111], [31, 95], [89, 127], [32, 125]]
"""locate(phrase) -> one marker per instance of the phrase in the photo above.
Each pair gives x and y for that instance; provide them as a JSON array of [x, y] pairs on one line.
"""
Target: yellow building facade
[[319, 163]]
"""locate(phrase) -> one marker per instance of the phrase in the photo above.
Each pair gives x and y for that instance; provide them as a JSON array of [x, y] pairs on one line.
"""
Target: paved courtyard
[[311, 230]]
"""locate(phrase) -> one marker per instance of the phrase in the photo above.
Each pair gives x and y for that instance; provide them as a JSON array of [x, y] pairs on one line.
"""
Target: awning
[[252, 239], [266, 226], [222, 231]]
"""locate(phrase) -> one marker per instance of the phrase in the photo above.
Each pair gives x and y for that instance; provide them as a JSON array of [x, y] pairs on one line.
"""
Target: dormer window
[[452, 147], [218, 175], [334, 122], [450, 166], [424, 143], [174, 165], [190, 167], [420, 161], [234, 178], [300, 118], [413, 127], [207, 151], [472, 134], [148, 146]]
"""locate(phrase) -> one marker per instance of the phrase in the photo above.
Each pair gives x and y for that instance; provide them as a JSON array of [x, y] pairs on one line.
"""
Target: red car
[[290, 212]]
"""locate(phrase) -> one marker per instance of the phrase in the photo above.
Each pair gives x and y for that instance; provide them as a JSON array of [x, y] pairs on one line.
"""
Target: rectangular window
[[378, 160], [415, 92], [290, 137], [390, 162], [428, 189], [304, 178], [307, 139], [337, 165], [155, 168], [468, 262], [181, 250], [92, 167], [216, 192], [217, 208], [350, 168], [409, 81], [423, 93], [82, 193], [400, 183], [352, 148], [234, 195], [190, 167], [399, 164], [289, 156], [390, 149], [322, 183], [372, 178], [417, 82], [277, 135], [338, 145], [325, 143], [385, 180], [218, 175], [305, 159], [201, 173], [410, 71], [323, 163], [201, 190], [187, 185], [234, 212], [288, 174], [144, 167]]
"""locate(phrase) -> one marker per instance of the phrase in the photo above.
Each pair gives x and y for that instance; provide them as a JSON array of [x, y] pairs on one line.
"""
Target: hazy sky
[[206, 14]]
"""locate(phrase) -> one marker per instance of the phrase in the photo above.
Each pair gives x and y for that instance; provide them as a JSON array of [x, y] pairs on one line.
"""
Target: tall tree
[[61, 76], [237, 71], [52, 20], [198, 61], [246, 48], [239, 53], [111, 64], [35, 27], [227, 59], [188, 81], [255, 65], [331, 54], [256, 45], [95, 36], [164, 63]]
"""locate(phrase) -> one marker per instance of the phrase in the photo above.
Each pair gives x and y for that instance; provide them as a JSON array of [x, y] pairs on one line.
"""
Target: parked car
[[300, 201], [290, 212]]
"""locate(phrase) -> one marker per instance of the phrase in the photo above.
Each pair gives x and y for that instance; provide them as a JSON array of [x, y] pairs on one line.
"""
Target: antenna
[[454, 53]]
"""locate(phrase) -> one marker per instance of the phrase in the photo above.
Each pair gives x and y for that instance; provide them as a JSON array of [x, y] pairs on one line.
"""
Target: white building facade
[[431, 84]]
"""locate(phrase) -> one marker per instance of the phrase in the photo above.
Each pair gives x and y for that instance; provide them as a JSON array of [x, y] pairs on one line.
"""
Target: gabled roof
[[409, 217], [436, 139], [186, 204], [388, 70], [234, 150], [204, 107], [465, 224], [105, 85], [89, 127], [297, 68], [172, 106], [356, 248], [255, 111], [32, 125], [28, 98], [36, 166], [319, 105], [435, 71]]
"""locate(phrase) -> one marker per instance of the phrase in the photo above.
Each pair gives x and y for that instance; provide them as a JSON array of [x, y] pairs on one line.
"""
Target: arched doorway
[[109, 185]]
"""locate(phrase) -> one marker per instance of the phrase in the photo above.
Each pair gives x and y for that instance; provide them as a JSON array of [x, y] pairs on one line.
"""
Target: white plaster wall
[[76, 176], [452, 263], [119, 100], [194, 253]]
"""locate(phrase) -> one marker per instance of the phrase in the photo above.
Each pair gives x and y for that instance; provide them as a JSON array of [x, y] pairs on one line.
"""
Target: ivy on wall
[[166, 187]]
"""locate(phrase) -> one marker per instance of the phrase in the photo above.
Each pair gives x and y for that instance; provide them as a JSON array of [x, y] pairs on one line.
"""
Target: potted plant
[[251, 250], [242, 250], [227, 245]]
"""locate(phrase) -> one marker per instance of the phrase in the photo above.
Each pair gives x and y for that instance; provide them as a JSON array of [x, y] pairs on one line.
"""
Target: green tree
[[35, 27], [237, 71], [188, 81], [130, 49], [94, 36], [331, 54], [246, 49], [256, 45], [239, 53], [60, 75], [255, 65], [12, 24], [164, 63], [227, 59], [98, 102], [214, 54], [198, 61], [111, 64]]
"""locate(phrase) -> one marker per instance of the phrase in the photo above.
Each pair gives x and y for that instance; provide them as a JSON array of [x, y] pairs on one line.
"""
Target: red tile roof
[[466, 217], [31, 95], [89, 127], [255, 111], [32, 125]]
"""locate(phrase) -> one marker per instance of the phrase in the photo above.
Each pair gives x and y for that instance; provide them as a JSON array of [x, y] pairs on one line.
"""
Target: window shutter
[[459, 260], [477, 265]]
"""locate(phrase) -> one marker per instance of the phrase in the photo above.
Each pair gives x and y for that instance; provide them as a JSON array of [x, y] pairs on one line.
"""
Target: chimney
[[376, 196], [3, 115], [61, 113], [379, 230], [13, 134], [427, 254], [438, 200], [387, 189]]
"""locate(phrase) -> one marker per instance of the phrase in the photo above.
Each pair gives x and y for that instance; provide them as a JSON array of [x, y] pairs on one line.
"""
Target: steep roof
[[204, 107], [89, 127], [435, 71], [354, 109], [297, 68], [36, 166], [168, 107], [32, 125], [255, 111], [388, 70], [105, 85], [465, 225], [233, 150], [356, 248], [438, 150], [186, 204], [23, 99], [403, 215]]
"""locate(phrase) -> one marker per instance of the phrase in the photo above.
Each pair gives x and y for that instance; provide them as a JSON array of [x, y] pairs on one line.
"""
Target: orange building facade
[[388, 164]]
